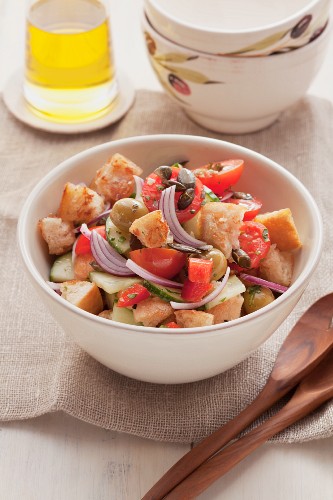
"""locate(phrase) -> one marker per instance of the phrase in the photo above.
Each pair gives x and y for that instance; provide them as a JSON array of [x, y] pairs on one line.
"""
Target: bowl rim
[[180, 24], [211, 55], [200, 332]]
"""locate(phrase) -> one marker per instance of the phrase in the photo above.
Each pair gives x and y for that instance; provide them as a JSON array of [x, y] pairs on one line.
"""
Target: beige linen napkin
[[42, 370]]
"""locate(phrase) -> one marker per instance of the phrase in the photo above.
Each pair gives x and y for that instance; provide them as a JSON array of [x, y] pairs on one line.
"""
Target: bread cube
[[228, 310], [220, 225], [80, 204], [152, 311], [281, 228], [114, 180], [192, 319], [151, 229], [58, 234], [277, 266], [83, 294]]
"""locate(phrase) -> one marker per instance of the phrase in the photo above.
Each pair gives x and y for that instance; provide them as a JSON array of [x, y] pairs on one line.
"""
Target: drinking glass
[[69, 68]]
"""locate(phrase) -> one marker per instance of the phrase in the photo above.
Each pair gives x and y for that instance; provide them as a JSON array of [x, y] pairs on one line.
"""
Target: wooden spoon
[[302, 350], [313, 391]]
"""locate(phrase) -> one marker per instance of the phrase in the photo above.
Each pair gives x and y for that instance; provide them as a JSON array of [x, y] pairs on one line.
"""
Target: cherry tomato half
[[220, 175], [164, 262], [152, 191], [83, 243], [252, 206], [254, 240]]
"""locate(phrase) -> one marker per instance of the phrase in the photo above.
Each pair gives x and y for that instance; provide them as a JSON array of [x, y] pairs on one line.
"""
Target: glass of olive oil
[[69, 69]]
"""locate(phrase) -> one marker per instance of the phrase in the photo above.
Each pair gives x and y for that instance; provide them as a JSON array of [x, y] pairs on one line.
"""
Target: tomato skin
[[194, 291], [152, 191], [164, 262], [252, 206], [254, 240], [200, 270], [219, 176], [83, 243], [132, 295]]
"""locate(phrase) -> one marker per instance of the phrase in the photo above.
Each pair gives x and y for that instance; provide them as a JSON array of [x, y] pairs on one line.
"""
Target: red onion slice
[[106, 257], [194, 305], [54, 286], [167, 206], [268, 284], [138, 186], [85, 231], [96, 219], [150, 276], [226, 195]]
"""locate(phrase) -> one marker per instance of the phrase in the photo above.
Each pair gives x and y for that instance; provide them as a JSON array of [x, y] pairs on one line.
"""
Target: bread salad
[[181, 248]]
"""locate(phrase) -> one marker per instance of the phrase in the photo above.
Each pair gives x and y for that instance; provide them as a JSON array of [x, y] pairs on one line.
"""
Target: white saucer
[[15, 102]]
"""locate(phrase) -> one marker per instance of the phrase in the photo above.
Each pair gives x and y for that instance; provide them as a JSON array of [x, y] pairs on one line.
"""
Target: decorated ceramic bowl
[[171, 355], [233, 94], [238, 28]]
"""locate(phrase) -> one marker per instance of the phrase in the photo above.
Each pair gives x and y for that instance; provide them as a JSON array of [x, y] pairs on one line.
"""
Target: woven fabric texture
[[42, 370]]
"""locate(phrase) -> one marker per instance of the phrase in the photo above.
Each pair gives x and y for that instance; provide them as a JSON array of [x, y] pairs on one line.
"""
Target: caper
[[164, 172], [186, 177], [241, 258], [185, 199], [219, 262], [126, 211], [256, 297]]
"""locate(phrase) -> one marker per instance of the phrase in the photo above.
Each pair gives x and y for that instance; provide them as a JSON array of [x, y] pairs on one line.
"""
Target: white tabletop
[[56, 457]]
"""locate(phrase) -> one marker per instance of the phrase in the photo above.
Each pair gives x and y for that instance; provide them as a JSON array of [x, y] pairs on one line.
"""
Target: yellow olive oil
[[69, 75]]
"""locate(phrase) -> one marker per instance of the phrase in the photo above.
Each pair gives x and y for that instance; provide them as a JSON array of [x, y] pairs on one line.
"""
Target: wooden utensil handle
[[214, 442], [300, 405]]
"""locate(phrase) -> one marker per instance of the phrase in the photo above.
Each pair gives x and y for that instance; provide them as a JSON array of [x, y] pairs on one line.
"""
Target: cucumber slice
[[233, 287], [62, 269], [119, 240], [110, 299], [123, 315], [209, 195], [110, 283], [165, 293]]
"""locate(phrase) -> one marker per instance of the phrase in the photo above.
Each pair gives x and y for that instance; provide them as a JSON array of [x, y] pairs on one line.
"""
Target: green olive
[[126, 211], [219, 262], [256, 297]]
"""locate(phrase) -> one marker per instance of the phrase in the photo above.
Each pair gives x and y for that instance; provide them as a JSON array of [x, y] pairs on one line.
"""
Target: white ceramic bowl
[[178, 356], [238, 27], [233, 94]]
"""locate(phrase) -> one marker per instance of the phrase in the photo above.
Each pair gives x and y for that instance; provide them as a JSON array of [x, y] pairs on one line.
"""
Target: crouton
[[220, 225], [80, 204], [192, 319], [114, 180], [281, 228], [58, 234], [82, 266], [152, 311], [151, 229], [107, 314], [277, 266], [228, 310], [83, 294]]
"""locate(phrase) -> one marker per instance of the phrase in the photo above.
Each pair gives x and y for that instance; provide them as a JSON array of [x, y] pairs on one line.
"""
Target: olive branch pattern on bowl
[[179, 78], [304, 32]]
